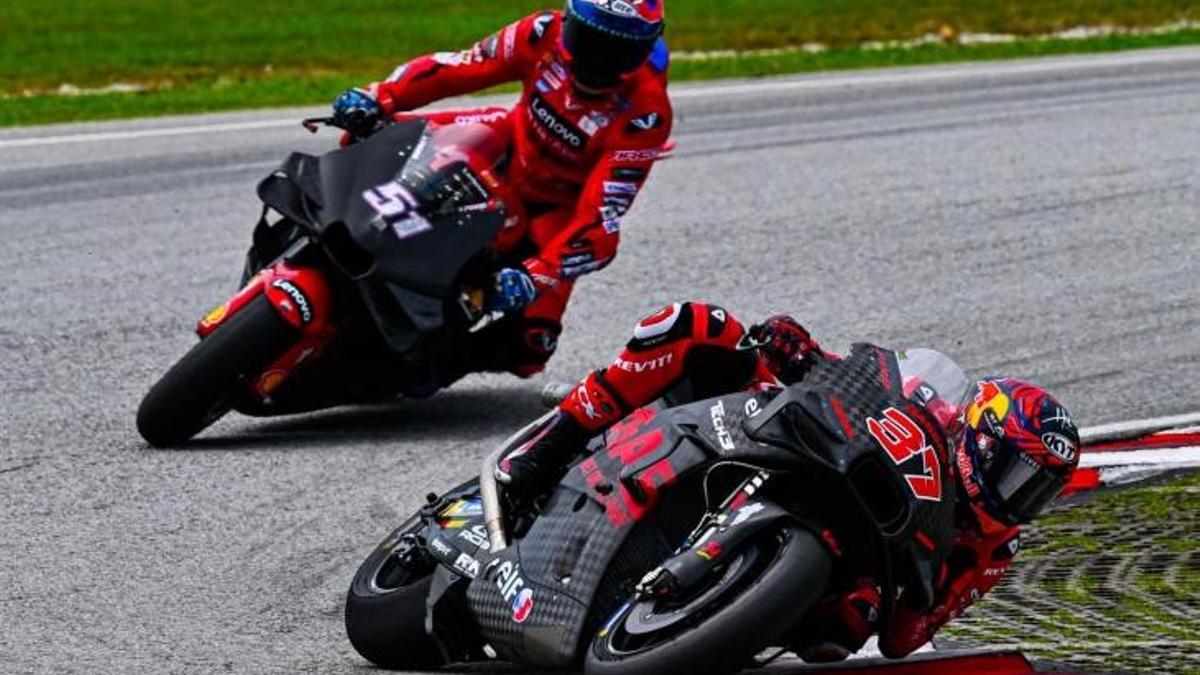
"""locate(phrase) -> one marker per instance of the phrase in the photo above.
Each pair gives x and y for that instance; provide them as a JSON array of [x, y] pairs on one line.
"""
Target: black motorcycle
[[363, 281], [687, 538]]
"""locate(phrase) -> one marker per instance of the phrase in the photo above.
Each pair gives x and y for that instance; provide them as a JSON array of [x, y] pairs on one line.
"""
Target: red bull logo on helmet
[[991, 404]]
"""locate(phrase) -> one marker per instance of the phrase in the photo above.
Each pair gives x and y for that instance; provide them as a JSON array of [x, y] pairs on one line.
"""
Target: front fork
[[303, 297], [720, 533]]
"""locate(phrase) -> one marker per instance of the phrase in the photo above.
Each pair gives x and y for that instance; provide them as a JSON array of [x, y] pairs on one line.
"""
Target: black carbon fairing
[[624, 508], [404, 269], [607, 525], [531, 605], [827, 419]]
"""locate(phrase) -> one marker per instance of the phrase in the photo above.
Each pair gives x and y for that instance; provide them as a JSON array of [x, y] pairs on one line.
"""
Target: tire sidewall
[[761, 612], [181, 403], [388, 628]]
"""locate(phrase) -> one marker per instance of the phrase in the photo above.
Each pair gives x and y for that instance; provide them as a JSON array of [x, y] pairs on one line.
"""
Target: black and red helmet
[[605, 40], [1020, 449]]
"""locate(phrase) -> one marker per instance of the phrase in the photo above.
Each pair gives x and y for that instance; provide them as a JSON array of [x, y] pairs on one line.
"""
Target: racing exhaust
[[489, 491]]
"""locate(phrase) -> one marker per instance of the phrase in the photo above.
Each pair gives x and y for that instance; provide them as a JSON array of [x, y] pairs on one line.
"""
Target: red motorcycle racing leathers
[[696, 345], [577, 162]]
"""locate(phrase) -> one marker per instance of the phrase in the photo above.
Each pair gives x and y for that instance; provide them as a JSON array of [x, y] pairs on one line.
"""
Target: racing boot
[[535, 466], [839, 626]]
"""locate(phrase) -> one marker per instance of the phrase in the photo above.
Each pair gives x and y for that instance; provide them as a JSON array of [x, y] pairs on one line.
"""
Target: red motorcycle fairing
[[303, 298]]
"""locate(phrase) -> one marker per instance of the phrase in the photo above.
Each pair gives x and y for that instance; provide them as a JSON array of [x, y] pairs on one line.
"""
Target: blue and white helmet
[[605, 40]]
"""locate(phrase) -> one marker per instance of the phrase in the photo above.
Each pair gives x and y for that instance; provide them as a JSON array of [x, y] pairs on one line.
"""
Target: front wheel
[[385, 608], [208, 381], [764, 590]]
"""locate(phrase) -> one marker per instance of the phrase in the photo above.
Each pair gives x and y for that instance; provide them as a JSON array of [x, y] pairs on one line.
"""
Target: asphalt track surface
[[1032, 218]]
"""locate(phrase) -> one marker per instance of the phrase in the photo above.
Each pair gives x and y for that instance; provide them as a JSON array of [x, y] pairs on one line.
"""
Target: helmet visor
[[600, 58], [1026, 487]]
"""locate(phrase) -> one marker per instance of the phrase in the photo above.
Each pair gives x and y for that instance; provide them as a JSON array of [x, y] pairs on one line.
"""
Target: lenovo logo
[[555, 125]]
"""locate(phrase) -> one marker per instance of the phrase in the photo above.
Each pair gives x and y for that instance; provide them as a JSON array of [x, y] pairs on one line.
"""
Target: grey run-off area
[[1035, 218]]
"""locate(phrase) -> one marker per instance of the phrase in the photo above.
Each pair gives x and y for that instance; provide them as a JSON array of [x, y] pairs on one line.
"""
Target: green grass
[[219, 54], [1110, 566]]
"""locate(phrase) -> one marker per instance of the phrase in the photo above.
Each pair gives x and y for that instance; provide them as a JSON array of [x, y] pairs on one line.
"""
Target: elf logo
[[522, 605], [512, 589], [508, 579]]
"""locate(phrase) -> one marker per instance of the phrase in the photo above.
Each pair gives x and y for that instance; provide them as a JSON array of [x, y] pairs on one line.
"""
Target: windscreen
[[454, 166], [477, 145], [935, 381]]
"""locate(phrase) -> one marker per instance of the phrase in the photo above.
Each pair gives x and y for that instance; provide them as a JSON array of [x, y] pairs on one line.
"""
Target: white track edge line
[[1166, 458], [951, 71], [875, 78], [1134, 428], [130, 134]]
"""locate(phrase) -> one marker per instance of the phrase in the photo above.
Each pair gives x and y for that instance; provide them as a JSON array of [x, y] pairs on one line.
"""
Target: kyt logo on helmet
[[1020, 449]]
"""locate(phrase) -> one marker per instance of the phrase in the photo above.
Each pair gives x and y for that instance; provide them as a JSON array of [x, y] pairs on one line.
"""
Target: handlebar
[[312, 123]]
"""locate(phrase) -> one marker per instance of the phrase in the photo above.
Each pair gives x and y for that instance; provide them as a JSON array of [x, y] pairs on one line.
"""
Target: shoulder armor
[[671, 323]]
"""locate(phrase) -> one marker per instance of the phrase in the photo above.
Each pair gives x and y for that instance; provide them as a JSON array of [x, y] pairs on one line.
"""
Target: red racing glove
[[788, 349]]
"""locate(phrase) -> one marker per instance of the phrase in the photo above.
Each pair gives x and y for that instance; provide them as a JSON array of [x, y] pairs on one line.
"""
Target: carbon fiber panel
[[830, 409], [559, 561]]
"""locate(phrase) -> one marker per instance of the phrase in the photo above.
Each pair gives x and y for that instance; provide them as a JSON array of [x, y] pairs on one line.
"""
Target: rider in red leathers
[[592, 119], [1019, 450]]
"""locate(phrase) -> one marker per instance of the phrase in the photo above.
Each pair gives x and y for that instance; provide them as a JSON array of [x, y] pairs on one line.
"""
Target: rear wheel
[[772, 582], [208, 381]]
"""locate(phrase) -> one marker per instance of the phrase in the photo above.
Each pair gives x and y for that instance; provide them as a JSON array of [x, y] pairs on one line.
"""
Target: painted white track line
[[915, 75], [1121, 468], [148, 133], [1135, 428], [1166, 458], [875, 78]]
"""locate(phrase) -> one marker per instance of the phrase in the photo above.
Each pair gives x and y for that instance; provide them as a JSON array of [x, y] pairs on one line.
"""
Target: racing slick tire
[[208, 381], [385, 613], [762, 592]]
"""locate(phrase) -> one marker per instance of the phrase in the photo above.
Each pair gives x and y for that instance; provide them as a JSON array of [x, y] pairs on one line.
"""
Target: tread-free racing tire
[[206, 383], [792, 572], [385, 621]]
